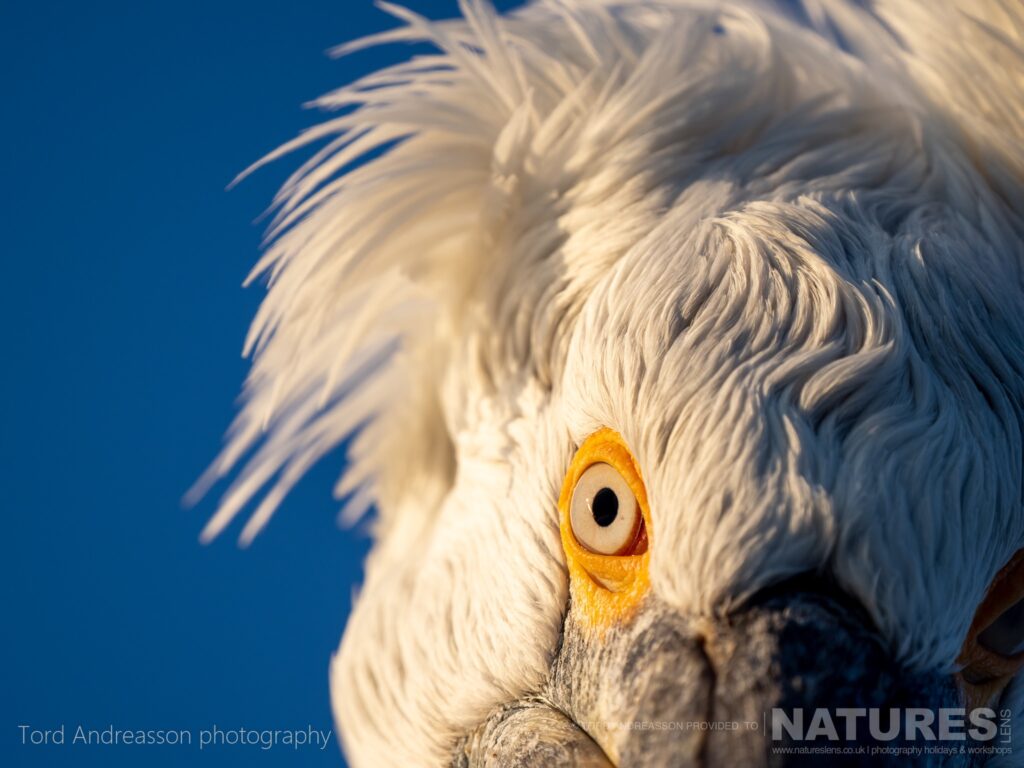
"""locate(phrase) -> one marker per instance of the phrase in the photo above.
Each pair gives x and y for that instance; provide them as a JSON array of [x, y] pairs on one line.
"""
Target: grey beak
[[663, 690]]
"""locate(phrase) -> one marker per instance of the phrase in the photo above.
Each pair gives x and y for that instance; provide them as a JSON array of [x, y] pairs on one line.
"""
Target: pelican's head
[[683, 346]]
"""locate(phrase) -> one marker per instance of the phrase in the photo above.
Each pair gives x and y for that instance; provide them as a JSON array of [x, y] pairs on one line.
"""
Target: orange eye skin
[[606, 589], [986, 673]]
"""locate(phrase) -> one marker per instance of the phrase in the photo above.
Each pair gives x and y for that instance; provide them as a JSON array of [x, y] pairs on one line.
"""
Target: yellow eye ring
[[605, 588], [987, 671]]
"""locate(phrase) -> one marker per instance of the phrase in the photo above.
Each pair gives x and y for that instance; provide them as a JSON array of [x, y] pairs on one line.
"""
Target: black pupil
[[605, 507]]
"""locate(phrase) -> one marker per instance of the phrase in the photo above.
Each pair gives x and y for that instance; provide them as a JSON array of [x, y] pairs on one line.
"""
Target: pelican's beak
[[662, 690]]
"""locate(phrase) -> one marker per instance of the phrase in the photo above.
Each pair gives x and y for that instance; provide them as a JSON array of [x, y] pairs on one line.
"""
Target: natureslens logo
[[908, 731], [911, 724]]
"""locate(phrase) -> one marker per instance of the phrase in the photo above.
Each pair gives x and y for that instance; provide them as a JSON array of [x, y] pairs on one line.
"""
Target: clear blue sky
[[123, 257]]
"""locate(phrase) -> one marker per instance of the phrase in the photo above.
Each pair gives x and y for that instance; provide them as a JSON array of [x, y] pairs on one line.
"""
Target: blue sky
[[123, 257]]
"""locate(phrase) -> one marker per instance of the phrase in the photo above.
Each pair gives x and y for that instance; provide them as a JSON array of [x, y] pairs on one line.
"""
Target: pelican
[[679, 345]]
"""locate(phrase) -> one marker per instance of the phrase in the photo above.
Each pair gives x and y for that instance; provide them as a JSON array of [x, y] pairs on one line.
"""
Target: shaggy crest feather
[[778, 246]]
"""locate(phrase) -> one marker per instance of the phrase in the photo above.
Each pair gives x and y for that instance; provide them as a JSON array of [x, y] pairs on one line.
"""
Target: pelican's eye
[[604, 513], [994, 649], [1005, 635], [605, 525]]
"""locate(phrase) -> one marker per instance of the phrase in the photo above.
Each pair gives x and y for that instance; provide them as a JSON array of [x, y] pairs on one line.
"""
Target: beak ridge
[[664, 691]]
